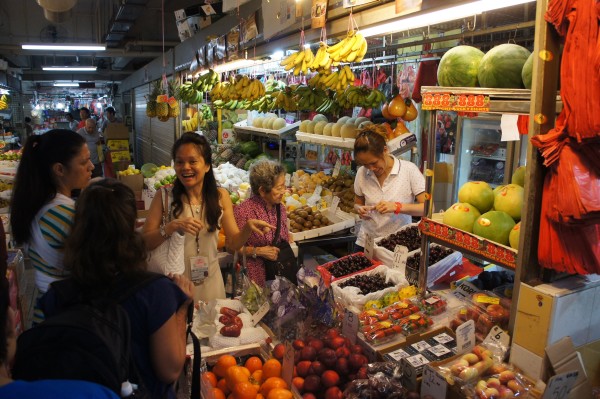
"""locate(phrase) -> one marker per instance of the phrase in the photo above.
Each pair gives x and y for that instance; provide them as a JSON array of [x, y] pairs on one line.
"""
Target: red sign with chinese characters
[[456, 102]]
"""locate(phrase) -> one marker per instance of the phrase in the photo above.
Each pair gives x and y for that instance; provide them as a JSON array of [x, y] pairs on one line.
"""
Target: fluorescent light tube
[[66, 68], [439, 16], [233, 65], [66, 84], [64, 47]]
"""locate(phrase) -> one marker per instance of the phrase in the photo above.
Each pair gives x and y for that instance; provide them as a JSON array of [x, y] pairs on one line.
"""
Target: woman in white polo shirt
[[388, 191]]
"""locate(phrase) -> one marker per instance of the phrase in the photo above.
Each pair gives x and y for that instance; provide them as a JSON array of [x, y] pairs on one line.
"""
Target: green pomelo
[[319, 118], [279, 123], [513, 237], [477, 193], [501, 67], [458, 67], [258, 122], [303, 126], [494, 226], [510, 200], [527, 71], [343, 119], [519, 176], [462, 216]]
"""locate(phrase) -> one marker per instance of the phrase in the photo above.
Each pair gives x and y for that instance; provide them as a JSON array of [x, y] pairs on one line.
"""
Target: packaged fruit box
[[345, 267], [441, 261], [486, 309], [339, 221], [408, 236], [368, 285]]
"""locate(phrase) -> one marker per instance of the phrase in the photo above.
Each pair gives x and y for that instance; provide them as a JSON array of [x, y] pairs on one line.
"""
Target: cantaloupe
[[319, 117], [268, 124], [360, 120], [303, 126], [351, 121], [336, 130], [279, 123], [327, 129], [310, 128], [258, 122], [319, 127], [343, 119], [364, 124], [349, 131]]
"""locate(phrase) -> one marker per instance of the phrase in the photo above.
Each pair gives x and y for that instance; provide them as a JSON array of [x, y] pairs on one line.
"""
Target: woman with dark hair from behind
[[41, 209], [10, 389], [104, 250], [199, 210]]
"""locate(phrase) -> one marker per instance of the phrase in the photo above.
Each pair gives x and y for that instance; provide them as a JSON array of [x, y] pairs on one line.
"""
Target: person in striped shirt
[[41, 210]]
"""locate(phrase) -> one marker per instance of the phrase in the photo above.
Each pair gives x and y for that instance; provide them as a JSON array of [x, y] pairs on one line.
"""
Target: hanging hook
[[513, 39], [469, 28]]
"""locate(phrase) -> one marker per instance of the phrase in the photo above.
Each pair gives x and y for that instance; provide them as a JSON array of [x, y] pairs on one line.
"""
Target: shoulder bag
[[168, 257], [286, 264]]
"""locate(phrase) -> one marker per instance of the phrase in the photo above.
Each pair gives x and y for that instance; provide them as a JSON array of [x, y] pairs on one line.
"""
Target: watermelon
[[501, 67], [459, 66], [527, 71]]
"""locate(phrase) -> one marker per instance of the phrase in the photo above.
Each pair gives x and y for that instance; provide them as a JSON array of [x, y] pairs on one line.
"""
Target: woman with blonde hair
[[386, 188]]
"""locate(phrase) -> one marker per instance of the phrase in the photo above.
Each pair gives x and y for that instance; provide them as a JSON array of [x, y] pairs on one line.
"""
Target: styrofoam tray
[[394, 144], [341, 220], [385, 255], [243, 125], [349, 296]]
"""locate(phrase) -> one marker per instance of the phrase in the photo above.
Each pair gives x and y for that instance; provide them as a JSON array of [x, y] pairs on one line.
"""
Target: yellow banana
[[299, 58], [289, 59], [358, 42]]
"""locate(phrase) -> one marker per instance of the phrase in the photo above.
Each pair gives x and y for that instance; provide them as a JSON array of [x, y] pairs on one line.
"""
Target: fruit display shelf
[[284, 133], [341, 220], [468, 243], [397, 145]]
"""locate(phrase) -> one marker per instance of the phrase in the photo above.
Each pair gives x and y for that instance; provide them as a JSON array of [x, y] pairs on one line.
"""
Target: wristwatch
[[163, 232], [254, 252]]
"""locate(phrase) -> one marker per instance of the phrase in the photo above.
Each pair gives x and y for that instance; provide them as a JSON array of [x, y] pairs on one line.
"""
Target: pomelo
[[336, 130], [458, 67], [360, 120], [477, 193], [343, 119], [327, 129], [349, 131], [310, 128], [279, 123], [462, 216], [518, 176], [495, 226], [319, 127], [513, 237], [320, 117], [501, 67], [258, 122], [510, 200], [303, 126]]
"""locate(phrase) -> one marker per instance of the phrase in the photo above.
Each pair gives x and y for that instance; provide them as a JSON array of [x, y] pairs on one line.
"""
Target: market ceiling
[[131, 29]]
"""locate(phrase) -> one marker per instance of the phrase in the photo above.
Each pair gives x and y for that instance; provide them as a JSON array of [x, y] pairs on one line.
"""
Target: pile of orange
[[253, 380]]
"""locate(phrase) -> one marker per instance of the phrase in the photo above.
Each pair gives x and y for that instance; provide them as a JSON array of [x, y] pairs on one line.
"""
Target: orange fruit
[[218, 394], [259, 396], [272, 383], [298, 382], [236, 375], [253, 363], [222, 385], [257, 377], [211, 378], [271, 368], [245, 390], [280, 393], [223, 363]]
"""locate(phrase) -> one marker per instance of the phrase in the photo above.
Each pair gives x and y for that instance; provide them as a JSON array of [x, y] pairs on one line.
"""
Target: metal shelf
[[396, 146]]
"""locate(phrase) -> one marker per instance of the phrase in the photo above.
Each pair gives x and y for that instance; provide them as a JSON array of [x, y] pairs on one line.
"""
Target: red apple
[[316, 343], [308, 395], [356, 361], [327, 357], [317, 368], [312, 383], [308, 353], [341, 365], [332, 333], [336, 342], [278, 351], [342, 352], [330, 378], [356, 349], [362, 373], [333, 393], [298, 344], [303, 368]]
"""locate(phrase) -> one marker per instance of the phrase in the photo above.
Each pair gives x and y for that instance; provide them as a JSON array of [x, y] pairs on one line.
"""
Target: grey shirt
[[92, 142]]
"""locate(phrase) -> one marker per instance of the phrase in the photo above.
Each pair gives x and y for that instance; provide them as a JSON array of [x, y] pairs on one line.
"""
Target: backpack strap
[[197, 354]]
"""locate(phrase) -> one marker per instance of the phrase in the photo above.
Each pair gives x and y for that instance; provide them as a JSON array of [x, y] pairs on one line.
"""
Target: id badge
[[199, 268]]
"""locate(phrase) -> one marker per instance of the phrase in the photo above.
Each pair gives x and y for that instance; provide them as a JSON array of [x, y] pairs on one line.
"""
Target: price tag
[[334, 204], [336, 168], [465, 337], [356, 111], [400, 255], [398, 354], [433, 384], [288, 179], [499, 341], [290, 118], [560, 385], [465, 290], [260, 313], [315, 197], [287, 370], [350, 326], [369, 246], [409, 375], [421, 346], [443, 338]]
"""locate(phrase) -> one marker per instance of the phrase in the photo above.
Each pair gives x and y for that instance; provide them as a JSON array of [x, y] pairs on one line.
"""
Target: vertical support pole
[[424, 238]]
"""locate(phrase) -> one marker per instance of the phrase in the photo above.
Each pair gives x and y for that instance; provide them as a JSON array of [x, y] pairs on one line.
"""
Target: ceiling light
[[66, 84], [64, 47], [233, 65], [439, 16], [67, 68]]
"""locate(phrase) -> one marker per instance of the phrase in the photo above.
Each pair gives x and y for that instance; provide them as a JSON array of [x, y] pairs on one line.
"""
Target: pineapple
[[162, 110], [163, 118], [151, 109], [173, 112], [240, 164], [211, 135]]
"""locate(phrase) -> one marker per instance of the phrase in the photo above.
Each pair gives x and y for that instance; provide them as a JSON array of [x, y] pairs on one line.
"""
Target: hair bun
[[375, 129]]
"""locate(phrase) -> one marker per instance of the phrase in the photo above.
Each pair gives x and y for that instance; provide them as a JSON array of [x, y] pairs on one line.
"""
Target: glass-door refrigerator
[[481, 155]]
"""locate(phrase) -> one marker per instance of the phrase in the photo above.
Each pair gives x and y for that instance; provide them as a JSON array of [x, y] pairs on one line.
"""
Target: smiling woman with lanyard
[[385, 187], [199, 210]]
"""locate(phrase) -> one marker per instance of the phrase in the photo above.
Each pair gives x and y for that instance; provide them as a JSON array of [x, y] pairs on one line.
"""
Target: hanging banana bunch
[[350, 49], [299, 61]]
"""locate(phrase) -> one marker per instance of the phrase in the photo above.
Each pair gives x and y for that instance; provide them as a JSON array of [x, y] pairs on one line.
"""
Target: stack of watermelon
[[504, 66]]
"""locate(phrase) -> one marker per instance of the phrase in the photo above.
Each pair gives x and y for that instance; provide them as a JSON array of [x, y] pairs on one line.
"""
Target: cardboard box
[[118, 145], [119, 156], [590, 354], [563, 358], [135, 182], [116, 131], [548, 312]]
